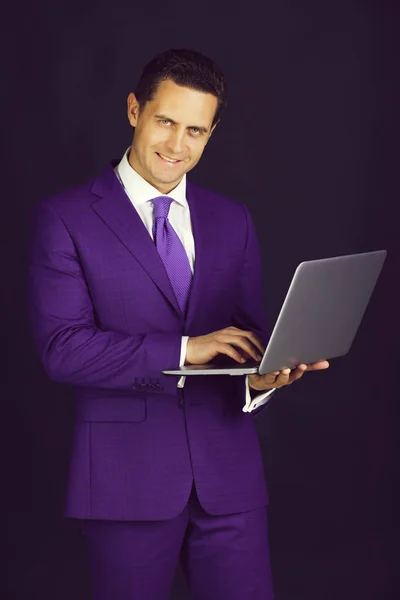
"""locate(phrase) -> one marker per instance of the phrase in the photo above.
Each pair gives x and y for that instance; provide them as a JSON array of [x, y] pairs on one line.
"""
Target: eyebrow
[[200, 128]]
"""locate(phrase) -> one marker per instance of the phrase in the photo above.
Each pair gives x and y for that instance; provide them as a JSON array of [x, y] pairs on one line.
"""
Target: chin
[[169, 179]]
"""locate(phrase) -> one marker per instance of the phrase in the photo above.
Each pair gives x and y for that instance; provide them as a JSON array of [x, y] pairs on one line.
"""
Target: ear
[[133, 109]]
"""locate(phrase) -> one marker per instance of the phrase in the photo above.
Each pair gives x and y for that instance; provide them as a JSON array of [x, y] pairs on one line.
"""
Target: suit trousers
[[223, 557]]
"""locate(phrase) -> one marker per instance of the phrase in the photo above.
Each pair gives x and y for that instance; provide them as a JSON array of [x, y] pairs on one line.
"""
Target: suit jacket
[[105, 320]]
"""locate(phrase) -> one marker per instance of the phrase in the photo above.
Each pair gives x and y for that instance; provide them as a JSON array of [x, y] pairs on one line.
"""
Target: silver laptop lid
[[322, 310]]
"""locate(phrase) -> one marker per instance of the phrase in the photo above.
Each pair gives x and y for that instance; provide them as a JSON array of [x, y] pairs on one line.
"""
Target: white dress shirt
[[140, 193]]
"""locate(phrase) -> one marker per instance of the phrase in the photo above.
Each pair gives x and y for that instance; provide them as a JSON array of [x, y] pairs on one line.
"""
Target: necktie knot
[[161, 206]]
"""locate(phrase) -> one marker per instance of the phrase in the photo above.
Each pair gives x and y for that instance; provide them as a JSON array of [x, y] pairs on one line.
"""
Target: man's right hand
[[236, 343]]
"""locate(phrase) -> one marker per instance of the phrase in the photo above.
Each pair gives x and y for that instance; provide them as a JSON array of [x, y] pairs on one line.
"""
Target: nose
[[175, 143]]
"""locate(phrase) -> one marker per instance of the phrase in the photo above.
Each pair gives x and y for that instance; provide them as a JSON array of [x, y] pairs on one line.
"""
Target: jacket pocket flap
[[125, 409]]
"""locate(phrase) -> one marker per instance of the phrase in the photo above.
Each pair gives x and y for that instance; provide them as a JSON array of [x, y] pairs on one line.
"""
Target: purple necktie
[[171, 251]]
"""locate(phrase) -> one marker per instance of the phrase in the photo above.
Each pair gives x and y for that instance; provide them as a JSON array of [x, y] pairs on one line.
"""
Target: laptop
[[319, 318]]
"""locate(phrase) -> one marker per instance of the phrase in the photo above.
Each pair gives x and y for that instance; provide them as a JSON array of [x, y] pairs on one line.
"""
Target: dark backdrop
[[310, 143]]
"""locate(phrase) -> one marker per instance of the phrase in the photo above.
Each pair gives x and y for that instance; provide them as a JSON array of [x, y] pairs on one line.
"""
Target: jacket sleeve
[[250, 313], [72, 347]]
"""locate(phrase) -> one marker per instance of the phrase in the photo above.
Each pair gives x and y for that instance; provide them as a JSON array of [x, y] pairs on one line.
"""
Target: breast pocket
[[231, 263]]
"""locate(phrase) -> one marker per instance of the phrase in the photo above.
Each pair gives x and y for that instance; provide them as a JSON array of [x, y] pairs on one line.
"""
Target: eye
[[195, 130], [165, 121]]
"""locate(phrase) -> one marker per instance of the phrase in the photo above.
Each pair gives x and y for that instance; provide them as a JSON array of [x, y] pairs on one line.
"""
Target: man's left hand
[[279, 379]]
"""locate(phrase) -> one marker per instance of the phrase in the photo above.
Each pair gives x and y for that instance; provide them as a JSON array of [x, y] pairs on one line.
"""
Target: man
[[139, 271]]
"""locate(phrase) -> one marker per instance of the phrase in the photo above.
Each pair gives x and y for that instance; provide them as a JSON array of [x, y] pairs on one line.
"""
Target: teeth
[[168, 159]]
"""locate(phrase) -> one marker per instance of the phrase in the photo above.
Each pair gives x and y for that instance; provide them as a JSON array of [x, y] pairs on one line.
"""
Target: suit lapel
[[115, 209]]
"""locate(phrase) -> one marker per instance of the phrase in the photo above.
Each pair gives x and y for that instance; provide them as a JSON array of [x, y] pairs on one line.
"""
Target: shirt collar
[[139, 190]]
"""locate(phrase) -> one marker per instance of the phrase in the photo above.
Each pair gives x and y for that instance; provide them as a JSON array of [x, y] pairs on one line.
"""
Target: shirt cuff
[[259, 400], [184, 344], [182, 359]]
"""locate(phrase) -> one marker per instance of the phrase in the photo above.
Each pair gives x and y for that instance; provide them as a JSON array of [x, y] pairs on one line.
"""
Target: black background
[[309, 142]]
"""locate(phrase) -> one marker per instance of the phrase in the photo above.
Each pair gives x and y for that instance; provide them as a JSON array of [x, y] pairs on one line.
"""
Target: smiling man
[[132, 273], [171, 133]]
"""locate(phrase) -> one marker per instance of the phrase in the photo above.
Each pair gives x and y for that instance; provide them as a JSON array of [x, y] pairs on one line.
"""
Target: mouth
[[168, 161]]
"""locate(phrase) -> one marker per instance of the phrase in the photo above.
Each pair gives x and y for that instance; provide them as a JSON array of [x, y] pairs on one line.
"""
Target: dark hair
[[186, 68]]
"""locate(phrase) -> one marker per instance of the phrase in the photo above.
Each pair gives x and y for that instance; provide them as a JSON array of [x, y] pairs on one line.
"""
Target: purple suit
[[106, 321]]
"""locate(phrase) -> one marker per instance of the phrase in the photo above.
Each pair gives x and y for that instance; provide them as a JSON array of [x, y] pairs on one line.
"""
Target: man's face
[[175, 125]]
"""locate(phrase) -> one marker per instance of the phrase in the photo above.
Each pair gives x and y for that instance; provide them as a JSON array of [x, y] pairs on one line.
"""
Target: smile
[[168, 160]]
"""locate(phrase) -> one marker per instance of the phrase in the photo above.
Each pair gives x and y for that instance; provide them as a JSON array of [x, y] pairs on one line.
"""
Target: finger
[[241, 342], [283, 378], [263, 382], [250, 335], [297, 374], [254, 340], [245, 354], [318, 366], [276, 379], [267, 378], [228, 350]]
